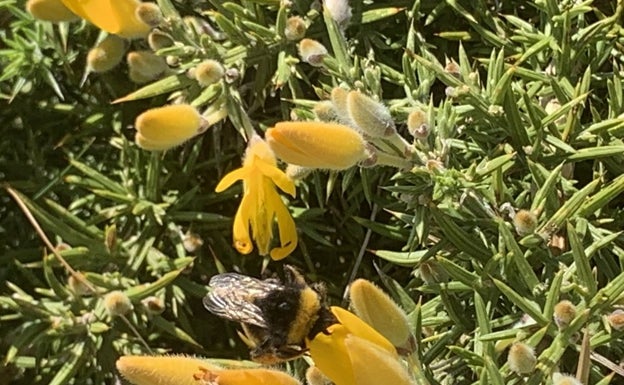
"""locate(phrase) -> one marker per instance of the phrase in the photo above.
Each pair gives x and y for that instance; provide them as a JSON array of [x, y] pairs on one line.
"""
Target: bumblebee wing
[[233, 297]]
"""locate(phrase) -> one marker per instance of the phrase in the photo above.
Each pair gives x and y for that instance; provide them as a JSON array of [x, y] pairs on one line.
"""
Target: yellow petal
[[258, 148], [373, 365], [278, 177], [240, 231], [261, 211], [168, 126], [113, 16], [361, 329], [316, 144], [250, 377], [50, 10], [330, 355], [230, 178], [163, 370], [287, 231]]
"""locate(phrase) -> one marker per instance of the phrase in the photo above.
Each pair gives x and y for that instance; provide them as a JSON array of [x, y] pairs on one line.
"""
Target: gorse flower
[[317, 144], [165, 127], [113, 16], [261, 204], [182, 370], [353, 353]]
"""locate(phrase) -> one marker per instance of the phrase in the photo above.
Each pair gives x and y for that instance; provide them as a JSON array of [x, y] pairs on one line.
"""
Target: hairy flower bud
[[564, 313], [158, 39], [312, 52], [616, 319], [149, 13], [525, 222], [370, 116], [50, 10], [316, 144], [107, 54], [377, 309], [521, 358], [295, 28], [417, 124], [208, 72], [565, 379], [339, 10], [145, 66], [117, 303]]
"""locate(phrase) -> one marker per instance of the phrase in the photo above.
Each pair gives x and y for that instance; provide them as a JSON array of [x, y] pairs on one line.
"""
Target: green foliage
[[524, 109]]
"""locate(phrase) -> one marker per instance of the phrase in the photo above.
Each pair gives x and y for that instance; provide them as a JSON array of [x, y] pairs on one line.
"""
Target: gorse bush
[[466, 156]]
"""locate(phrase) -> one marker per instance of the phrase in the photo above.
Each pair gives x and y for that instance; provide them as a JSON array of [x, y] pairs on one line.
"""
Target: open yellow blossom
[[353, 353], [113, 16], [261, 203], [182, 370], [317, 144]]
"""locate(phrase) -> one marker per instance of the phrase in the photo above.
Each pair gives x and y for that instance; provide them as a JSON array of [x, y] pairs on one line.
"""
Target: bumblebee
[[276, 316]]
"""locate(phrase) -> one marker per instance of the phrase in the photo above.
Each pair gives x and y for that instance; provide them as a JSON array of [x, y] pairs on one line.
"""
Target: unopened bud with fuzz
[[525, 222], [565, 379], [158, 39], [616, 319], [325, 111], [208, 72], [339, 10], [377, 309], [370, 116], [312, 52], [150, 14], [317, 144], [153, 305], [417, 124], [564, 313], [107, 54], [145, 66], [162, 370], [521, 358], [295, 28], [117, 303], [166, 127]]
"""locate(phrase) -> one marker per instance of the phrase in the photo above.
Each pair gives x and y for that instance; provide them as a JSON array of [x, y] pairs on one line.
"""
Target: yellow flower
[[50, 10], [169, 126], [113, 16], [181, 370], [261, 203], [353, 353], [316, 144], [162, 370]]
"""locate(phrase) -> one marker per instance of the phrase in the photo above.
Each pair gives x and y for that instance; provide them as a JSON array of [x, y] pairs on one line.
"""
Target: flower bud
[[370, 116], [431, 272], [417, 124], [165, 127], [521, 358], [616, 319], [376, 308], [565, 379], [117, 303], [145, 66], [325, 111], [295, 28], [339, 10], [208, 72], [564, 313], [77, 286], [50, 10], [106, 55], [158, 39], [525, 222], [162, 370], [153, 304], [192, 242], [312, 52], [149, 13], [316, 145]]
